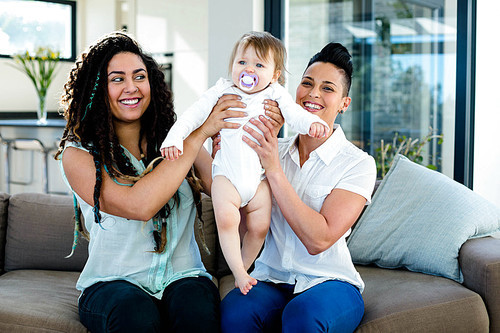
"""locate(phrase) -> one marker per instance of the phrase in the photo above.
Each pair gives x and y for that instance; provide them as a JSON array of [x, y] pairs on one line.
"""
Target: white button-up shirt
[[337, 163]]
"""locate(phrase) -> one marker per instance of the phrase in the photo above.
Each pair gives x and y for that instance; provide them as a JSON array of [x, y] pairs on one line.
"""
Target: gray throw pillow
[[418, 220]]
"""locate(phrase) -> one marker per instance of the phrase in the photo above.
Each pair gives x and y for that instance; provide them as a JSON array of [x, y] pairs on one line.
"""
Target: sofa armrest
[[480, 262]]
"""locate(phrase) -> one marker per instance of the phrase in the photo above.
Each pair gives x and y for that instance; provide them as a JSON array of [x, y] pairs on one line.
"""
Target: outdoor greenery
[[413, 149]]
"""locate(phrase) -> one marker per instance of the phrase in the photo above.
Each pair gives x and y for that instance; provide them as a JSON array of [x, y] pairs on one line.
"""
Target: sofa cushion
[[210, 234], [403, 301], [40, 233], [39, 301], [419, 219], [215, 263], [226, 284]]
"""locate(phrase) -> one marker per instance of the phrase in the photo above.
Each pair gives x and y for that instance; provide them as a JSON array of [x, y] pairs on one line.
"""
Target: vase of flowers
[[40, 68]]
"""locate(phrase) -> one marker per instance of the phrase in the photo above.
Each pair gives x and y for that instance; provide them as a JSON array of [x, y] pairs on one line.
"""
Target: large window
[[404, 54], [27, 25]]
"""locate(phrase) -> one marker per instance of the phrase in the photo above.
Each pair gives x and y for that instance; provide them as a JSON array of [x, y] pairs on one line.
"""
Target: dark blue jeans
[[331, 306], [187, 305]]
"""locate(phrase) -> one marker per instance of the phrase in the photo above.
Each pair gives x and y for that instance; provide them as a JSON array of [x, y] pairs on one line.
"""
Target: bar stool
[[32, 145]]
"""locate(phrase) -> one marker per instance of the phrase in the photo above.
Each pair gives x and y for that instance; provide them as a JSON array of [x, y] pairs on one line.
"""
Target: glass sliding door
[[404, 55]]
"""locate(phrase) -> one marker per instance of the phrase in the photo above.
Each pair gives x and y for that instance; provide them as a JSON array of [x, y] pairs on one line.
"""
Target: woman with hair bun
[[306, 279]]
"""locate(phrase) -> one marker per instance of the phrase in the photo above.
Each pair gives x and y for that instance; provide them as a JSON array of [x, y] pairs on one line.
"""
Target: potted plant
[[40, 68]]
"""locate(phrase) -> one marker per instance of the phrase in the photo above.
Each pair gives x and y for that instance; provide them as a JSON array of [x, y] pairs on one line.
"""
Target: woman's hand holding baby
[[271, 108], [273, 112], [220, 112], [267, 149]]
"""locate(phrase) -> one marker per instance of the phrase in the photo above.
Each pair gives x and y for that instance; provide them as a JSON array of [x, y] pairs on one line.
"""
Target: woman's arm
[[142, 200], [203, 169], [316, 230]]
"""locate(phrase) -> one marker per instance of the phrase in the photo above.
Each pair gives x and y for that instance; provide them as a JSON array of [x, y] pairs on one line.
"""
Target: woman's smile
[[312, 107], [130, 101]]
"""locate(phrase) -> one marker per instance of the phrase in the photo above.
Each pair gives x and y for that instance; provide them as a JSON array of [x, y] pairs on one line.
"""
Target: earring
[[341, 111]]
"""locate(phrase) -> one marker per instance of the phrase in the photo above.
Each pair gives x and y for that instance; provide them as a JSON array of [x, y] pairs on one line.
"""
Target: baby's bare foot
[[245, 282]]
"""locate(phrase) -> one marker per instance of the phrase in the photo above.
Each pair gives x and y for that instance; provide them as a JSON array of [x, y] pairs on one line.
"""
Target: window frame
[[72, 5], [463, 170], [463, 165]]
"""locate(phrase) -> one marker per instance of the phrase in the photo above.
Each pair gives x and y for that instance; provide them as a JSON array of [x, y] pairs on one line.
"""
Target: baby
[[257, 63]]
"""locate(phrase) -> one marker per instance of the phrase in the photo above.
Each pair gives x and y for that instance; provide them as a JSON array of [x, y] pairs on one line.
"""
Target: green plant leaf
[[39, 67]]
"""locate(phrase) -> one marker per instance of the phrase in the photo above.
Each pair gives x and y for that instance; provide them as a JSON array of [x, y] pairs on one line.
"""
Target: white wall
[[200, 34], [229, 20], [486, 179], [179, 27]]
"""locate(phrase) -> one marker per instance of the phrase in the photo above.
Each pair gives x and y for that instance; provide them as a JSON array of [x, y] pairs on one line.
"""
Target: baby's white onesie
[[236, 160]]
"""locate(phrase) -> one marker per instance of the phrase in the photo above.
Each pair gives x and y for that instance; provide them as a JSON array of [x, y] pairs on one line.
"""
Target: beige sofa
[[37, 284]]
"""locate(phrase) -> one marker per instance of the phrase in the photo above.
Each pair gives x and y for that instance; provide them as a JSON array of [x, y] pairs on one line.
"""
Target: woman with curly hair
[[144, 272]]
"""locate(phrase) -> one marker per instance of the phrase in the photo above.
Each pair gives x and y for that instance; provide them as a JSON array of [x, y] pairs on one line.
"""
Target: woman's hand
[[267, 149], [203, 169], [215, 144], [275, 117], [221, 111], [274, 113]]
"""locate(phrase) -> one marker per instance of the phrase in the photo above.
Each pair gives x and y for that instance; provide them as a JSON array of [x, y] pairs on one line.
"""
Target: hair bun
[[337, 55]]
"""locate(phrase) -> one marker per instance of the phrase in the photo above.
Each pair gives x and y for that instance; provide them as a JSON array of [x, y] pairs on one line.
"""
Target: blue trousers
[[187, 305], [331, 306]]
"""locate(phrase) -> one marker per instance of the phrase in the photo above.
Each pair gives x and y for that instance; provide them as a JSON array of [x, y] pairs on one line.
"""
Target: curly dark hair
[[86, 109]]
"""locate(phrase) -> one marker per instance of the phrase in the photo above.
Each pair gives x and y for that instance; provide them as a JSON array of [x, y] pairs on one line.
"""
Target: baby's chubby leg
[[226, 201], [258, 219]]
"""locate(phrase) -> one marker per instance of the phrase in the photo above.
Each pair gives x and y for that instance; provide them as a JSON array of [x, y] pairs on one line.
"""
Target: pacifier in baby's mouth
[[248, 81]]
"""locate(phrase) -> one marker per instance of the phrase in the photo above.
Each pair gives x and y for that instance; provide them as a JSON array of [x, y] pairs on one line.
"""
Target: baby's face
[[251, 73]]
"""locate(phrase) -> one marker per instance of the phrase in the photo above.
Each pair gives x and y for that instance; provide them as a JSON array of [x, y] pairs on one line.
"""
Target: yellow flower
[[39, 67]]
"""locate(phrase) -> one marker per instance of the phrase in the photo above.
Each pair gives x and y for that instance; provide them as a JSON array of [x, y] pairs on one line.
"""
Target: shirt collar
[[327, 151], [331, 147]]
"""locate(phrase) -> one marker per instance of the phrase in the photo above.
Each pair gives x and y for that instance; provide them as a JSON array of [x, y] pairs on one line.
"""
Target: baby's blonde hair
[[264, 44]]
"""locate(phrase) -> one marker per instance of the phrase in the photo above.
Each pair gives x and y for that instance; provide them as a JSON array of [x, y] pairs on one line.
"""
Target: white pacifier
[[248, 81]]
